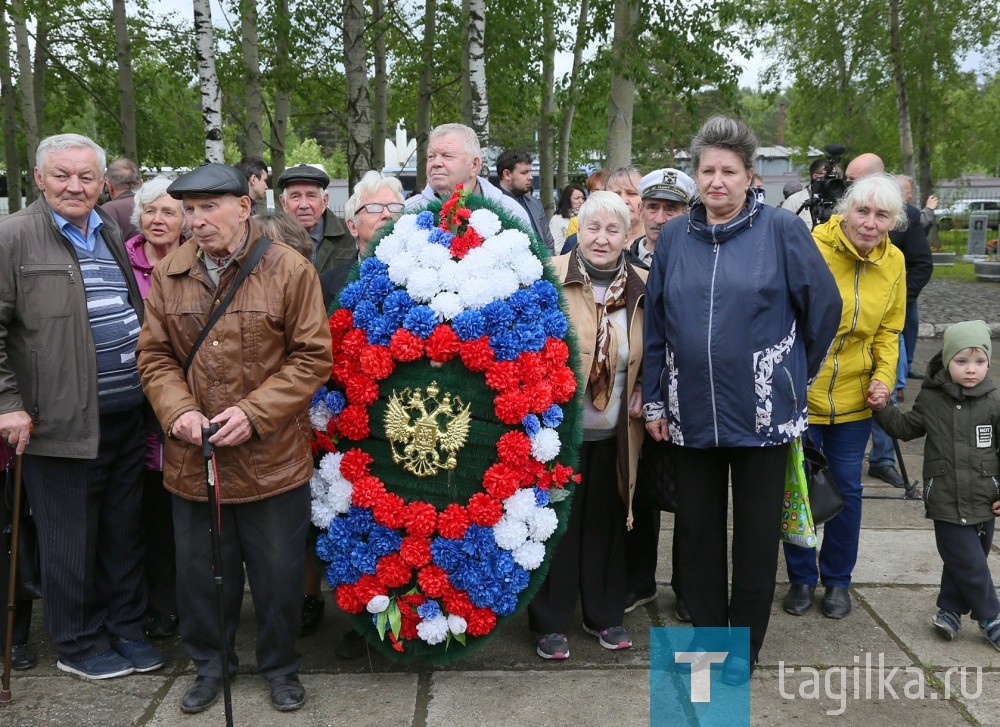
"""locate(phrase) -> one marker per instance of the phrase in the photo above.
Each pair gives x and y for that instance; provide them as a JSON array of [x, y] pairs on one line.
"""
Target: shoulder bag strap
[[248, 264]]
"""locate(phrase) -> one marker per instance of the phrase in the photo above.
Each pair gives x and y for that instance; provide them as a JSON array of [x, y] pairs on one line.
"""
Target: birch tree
[[211, 90], [26, 87], [475, 107], [380, 84], [424, 91], [899, 82], [359, 133], [621, 98], [11, 153], [251, 79], [545, 130], [282, 80], [569, 105], [126, 84]]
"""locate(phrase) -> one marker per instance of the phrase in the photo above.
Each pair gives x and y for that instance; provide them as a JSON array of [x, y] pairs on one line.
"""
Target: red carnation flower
[[415, 551], [477, 355], [504, 376], [555, 352], [396, 644], [367, 587], [393, 572], [484, 510], [500, 481], [341, 320], [453, 522], [408, 628], [376, 361], [531, 367], [433, 581], [405, 346], [443, 344], [420, 519], [361, 390], [541, 397], [343, 367], [354, 465], [512, 408], [354, 342], [347, 599], [353, 422], [481, 621], [563, 384], [458, 604], [389, 510], [367, 491], [514, 448], [323, 442], [561, 474]]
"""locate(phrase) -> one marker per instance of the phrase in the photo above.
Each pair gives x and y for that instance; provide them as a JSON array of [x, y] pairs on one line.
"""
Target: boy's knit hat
[[967, 334]]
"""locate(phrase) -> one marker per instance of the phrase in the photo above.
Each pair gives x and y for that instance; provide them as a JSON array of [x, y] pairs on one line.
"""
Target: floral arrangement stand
[[446, 439]]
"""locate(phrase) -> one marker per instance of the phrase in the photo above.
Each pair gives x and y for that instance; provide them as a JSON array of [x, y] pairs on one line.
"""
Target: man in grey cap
[[665, 193], [304, 197], [71, 401], [254, 375]]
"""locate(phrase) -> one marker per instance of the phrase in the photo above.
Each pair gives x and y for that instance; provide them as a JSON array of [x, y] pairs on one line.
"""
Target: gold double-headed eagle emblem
[[412, 421]]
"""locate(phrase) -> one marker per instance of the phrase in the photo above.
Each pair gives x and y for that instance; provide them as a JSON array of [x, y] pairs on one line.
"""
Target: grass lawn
[[959, 271]]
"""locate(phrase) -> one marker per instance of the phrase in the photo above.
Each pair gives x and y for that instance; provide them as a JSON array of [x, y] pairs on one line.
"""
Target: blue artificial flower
[[554, 323], [380, 330], [532, 336], [360, 520], [469, 325], [553, 416], [428, 610], [351, 294], [498, 316], [364, 313], [378, 287], [363, 558], [318, 397], [541, 497], [335, 402], [531, 425], [396, 305], [479, 541], [501, 563], [506, 345], [440, 237], [524, 303], [425, 220], [373, 266], [341, 571], [484, 591], [447, 553], [383, 541], [505, 604], [420, 321], [325, 549], [339, 534], [548, 296]]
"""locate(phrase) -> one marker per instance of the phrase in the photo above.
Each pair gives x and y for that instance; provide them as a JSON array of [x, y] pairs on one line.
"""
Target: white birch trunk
[[477, 70], [211, 90]]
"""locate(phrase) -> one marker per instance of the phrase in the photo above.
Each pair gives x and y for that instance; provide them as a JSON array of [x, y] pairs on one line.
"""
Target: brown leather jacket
[[268, 354]]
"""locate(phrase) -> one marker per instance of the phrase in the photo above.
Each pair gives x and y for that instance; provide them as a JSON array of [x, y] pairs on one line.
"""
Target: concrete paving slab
[[67, 700], [980, 694], [546, 697], [897, 556]]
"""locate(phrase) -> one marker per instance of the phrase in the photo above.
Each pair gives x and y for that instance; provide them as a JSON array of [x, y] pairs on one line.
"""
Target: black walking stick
[[215, 525], [5, 697], [911, 492]]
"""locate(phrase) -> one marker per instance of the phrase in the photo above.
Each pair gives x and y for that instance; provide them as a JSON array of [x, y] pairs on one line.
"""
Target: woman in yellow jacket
[[859, 373]]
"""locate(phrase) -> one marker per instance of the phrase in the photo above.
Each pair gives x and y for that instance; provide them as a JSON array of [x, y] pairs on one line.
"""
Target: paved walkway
[[895, 585]]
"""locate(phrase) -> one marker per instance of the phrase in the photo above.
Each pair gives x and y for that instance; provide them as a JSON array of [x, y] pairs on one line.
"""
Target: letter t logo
[[701, 671]]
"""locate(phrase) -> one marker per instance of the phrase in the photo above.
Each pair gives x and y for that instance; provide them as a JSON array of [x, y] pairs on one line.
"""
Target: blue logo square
[[685, 688]]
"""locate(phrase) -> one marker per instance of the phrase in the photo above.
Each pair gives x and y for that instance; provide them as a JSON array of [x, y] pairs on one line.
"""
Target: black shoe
[[201, 695], [22, 657], [634, 600], [887, 473], [287, 693], [681, 611], [161, 627], [352, 646], [799, 599], [836, 602], [736, 671], [911, 374], [312, 614]]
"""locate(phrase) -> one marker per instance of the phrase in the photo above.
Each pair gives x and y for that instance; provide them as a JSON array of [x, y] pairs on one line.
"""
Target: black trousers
[[590, 558], [268, 537], [161, 560], [88, 515], [703, 483], [642, 545], [966, 582]]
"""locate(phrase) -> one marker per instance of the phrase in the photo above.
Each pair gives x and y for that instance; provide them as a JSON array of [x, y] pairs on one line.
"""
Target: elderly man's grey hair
[[370, 184], [64, 142]]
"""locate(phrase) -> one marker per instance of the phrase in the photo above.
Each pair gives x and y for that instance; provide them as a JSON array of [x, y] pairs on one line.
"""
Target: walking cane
[[5, 697], [215, 525]]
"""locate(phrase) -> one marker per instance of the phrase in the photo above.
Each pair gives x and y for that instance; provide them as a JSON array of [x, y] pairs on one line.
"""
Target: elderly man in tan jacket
[[254, 375]]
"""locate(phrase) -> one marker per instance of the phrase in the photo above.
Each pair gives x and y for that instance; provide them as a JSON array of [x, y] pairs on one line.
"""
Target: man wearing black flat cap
[[304, 197], [253, 375]]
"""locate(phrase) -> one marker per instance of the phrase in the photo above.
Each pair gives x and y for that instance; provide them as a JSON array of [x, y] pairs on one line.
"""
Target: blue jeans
[[844, 447], [911, 328], [883, 453]]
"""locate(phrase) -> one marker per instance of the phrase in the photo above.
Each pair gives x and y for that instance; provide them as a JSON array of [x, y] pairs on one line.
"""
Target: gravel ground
[[944, 302]]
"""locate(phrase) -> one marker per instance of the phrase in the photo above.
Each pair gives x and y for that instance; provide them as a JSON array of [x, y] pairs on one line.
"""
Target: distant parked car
[[956, 215]]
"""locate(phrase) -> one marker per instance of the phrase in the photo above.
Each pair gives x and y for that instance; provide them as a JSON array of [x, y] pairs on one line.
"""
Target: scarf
[[602, 372]]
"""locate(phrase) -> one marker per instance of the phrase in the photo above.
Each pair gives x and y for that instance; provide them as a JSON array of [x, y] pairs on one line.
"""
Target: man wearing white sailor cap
[[666, 193]]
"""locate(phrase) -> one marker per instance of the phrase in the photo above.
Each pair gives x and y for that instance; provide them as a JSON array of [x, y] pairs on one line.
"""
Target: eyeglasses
[[376, 208]]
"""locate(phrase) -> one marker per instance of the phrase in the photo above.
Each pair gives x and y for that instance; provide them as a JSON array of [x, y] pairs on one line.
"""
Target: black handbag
[[825, 499], [657, 472], [29, 571]]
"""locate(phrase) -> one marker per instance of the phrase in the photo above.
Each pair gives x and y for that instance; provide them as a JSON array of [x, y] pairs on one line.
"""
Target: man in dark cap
[[71, 401], [254, 376], [304, 196]]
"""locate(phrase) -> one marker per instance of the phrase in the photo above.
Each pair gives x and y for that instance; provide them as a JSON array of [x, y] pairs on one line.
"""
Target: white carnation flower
[[510, 532], [390, 246], [401, 266], [416, 241], [544, 524], [475, 292], [447, 305], [378, 604], [405, 225], [545, 445], [450, 276], [423, 284], [485, 222], [456, 624], [433, 631], [529, 556], [329, 467], [433, 256], [319, 416], [338, 495], [527, 268], [521, 505], [505, 283], [476, 263], [322, 514]]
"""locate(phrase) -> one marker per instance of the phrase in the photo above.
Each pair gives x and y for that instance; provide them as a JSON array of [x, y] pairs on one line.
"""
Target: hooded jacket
[[866, 346], [738, 319], [961, 468]]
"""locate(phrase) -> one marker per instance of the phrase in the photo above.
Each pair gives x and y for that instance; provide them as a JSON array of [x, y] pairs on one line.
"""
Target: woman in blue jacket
[[740, 312]]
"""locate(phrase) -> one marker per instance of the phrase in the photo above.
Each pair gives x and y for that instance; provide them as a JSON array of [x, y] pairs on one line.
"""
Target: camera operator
[[802, 202]]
